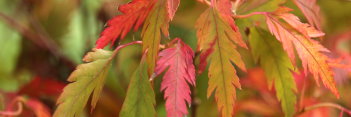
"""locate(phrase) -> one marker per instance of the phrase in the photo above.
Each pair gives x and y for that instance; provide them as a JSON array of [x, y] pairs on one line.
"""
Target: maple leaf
[[276, 65], [155, 14], [140, 99], [38, 108], [87, 79], [156, 22], [217, 36], [294, 34], [172, 6], [133, 14], [33, 88], [259, 5], [179, 59], [311, 11]]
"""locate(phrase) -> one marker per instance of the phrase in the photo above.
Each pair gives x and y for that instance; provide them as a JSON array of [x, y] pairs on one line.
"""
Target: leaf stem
[[116, 51], [326, 104], [123, 46], [249, 15], [300, 106], [206, 2], [235, 6], [39, 39], [14, 113]]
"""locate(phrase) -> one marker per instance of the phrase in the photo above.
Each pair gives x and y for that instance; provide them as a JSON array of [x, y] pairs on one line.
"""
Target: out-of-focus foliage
[[44, 40]]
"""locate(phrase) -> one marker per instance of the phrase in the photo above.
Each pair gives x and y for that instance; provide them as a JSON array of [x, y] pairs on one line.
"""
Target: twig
[[13, 113], [194, 103], [123, 46], [300, 106], [41, 41], [235, 6], [21, 29], [249, 15], [208, 3], [44, 36], [117, 50], [326, 104]]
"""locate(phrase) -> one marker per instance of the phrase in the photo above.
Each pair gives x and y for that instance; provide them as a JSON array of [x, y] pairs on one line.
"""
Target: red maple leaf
[[179, 61], [133, 14]]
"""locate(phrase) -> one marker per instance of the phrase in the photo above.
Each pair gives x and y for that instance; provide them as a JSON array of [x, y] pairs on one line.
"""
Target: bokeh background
[[41, 42]]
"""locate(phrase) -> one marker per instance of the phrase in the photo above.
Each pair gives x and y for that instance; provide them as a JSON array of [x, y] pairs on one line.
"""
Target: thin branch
[[44, 37], [13, 113], [249, 15], [21, 29], [194, 103], [300, 105], [123, 46], [208, 3], [41, 41], [116, 51], [235, 6], [326, 104]]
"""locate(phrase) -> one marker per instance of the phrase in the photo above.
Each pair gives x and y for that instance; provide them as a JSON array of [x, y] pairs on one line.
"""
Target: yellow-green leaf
[[259, 5], [277, 66], [156, 22], [88, 79]]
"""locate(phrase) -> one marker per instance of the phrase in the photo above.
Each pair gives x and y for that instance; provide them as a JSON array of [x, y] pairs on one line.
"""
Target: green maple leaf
[[140, 99], [277, 66]]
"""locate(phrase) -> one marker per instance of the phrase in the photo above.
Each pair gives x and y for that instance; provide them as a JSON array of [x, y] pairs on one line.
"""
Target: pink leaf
[[311, 11], [179, 61], [172, 6]]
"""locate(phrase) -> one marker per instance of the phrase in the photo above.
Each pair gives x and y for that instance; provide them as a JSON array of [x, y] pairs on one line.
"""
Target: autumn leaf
[[259, 5], [140, 99], [88, 79], [217, 39], [155, 23], [133, 14], [37, 107], [256, 79], [155, 14], [277, 66], [34, 88], [294, 21], [294, 34], [311, 11], [172, 6], [178, 59]]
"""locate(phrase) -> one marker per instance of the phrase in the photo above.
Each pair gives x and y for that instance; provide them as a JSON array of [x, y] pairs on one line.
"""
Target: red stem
[[327, 104], [13, 113], [249, 15], [123, 46]]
